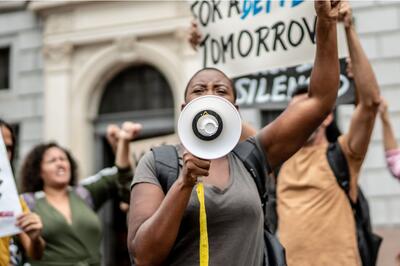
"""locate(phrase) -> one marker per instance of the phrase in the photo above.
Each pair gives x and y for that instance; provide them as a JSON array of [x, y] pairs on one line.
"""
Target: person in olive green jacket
[[71, 227]]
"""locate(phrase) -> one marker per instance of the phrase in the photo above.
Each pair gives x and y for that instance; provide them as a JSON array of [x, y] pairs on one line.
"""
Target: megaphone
[[209, 127]]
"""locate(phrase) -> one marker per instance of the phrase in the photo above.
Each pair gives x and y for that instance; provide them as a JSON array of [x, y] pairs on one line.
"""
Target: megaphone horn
[[209, 127]]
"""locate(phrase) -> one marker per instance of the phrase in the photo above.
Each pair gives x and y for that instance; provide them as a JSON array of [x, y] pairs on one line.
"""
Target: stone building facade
[[21, 100], [67, 58]]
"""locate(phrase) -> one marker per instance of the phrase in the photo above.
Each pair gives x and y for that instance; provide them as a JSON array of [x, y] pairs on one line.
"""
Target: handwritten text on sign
[[247, 36], [10, 207], [273, 88]]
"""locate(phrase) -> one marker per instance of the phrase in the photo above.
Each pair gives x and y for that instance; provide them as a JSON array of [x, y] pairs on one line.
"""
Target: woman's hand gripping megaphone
[[193, 168]]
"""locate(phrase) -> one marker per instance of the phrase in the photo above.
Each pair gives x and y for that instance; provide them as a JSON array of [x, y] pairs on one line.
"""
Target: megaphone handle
[[203, 224]]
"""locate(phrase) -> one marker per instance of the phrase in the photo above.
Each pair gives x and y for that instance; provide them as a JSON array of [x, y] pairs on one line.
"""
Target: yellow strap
[[203, 226]]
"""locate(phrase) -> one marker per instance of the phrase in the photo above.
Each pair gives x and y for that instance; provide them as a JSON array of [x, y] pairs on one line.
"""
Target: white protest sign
[[247, 36], [10, 206]]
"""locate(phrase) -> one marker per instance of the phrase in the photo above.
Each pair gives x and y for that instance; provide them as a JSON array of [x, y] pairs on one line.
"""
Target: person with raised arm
[[316, 221], [164, 227], [71, 227]]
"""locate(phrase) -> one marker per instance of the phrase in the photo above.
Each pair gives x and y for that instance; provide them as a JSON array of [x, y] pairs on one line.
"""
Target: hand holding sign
[[9, 201], [31, 224], [328, 9]]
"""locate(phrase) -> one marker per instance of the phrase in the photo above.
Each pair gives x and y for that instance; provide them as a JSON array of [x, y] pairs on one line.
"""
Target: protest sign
[[10, 206], [272, 89], [248, 36]]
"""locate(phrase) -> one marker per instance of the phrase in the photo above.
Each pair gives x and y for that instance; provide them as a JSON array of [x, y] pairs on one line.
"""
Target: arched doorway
[[138, 93]]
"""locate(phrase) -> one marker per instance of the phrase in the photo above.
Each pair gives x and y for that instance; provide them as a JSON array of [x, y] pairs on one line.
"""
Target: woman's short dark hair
[[31, 179], [9, 127]]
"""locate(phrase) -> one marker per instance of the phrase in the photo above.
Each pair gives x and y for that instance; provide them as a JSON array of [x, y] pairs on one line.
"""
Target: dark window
[[4, 68], [136, 88], [138, 93]]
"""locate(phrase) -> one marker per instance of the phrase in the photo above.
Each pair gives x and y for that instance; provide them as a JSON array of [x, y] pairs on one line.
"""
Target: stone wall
[[22, 103]]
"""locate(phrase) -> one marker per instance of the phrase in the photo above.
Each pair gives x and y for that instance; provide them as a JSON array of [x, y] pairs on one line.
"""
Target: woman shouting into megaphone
[[165, 225]]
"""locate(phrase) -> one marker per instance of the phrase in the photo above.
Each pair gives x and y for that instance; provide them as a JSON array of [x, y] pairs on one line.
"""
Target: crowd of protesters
[[317, 210]]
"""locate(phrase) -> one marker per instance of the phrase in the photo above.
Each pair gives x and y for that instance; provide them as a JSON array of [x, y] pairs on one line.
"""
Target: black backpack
[[368, 242], [167, 169]]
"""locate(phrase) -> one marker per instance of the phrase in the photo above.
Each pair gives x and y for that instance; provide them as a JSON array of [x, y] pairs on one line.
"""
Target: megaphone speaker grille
[[209, 127]]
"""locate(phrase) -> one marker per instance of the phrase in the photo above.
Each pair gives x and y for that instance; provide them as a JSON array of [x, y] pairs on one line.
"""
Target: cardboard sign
[[10, 206], [273, 89], [249, 36]]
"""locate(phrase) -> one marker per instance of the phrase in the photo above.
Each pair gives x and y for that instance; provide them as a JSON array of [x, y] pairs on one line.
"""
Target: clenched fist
[[345, 13], [130, 131], [194, 35], [327, 9], [193, 168]]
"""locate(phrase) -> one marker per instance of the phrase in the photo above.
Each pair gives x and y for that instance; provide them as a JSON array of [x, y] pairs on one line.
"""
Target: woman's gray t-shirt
[[234, 218]]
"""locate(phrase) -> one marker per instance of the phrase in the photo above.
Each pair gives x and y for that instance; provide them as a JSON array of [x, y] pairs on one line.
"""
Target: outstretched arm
[[367, 89], [288, 133], [247, 131], [128, 133], [155, 218], [389, 140], [112, 136], [392, 153], [111, 182]]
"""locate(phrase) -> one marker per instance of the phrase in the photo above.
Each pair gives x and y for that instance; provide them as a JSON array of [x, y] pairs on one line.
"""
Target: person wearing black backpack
[[164, 226], [323, 215]]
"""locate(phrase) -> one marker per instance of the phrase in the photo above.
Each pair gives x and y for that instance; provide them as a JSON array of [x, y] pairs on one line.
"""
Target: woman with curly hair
[[71, 228]]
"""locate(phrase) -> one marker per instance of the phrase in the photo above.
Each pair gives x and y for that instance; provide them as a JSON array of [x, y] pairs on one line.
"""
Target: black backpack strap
[[255, 162], [338, 163], [167, 165]]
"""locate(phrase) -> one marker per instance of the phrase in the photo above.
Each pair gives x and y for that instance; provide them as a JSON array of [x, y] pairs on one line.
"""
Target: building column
[[57, 83]]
